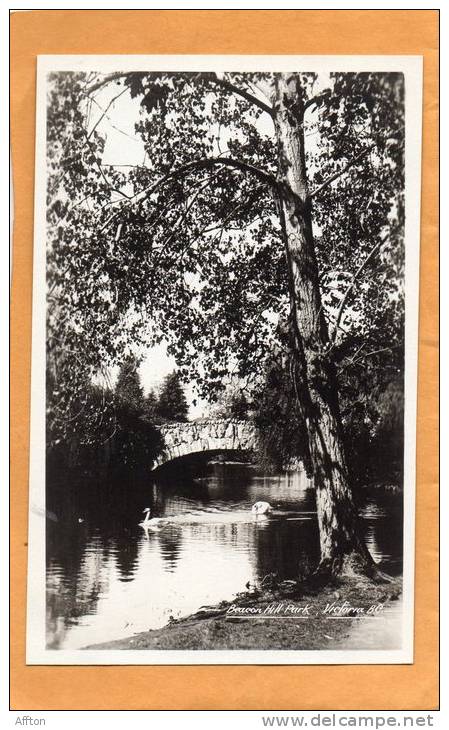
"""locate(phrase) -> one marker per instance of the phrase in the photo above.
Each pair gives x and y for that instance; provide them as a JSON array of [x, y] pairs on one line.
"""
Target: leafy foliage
[[136, 441], [282, 434], [150, 406], [372, 401], [128, 389], [232, 403], [111, 428], [193, 252], [171, 404]]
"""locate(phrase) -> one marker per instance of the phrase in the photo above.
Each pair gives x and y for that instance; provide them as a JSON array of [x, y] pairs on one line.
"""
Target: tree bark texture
[[342, 548]]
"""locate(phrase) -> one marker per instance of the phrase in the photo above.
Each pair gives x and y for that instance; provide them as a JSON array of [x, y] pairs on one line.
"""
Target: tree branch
[[241, 206], [341, 172], [114, 126], [117, 96], [376, 352], [106, 80], [316, 100], [101, 171], [225, 84], [348, 291], [182, 217], [204, 164]]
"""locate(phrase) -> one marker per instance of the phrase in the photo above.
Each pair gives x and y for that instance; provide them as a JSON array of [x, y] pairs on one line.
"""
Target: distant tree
[[128, 390], [172, 404], [150, 406], [109, 429], [136, 442], [282, 435]]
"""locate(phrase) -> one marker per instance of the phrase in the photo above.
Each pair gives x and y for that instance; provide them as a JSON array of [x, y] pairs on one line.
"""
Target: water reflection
[[108, 578]]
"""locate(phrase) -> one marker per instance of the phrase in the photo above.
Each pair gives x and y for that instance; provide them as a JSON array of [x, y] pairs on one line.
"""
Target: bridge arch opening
[[215, 436], [199, 461]]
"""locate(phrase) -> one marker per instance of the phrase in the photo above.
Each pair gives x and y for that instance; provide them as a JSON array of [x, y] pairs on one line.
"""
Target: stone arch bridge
[[182, 439]]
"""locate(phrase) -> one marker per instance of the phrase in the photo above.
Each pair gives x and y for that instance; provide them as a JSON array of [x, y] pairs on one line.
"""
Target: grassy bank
[[252, 620]]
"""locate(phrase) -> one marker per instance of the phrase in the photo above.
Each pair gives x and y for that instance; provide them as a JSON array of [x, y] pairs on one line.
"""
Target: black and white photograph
[[225, 300]]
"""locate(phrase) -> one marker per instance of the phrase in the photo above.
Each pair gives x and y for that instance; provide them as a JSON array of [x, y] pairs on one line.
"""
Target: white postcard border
[[411, 67]]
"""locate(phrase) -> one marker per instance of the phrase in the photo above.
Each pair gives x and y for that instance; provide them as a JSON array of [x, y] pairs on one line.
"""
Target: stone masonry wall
[[182, 439]]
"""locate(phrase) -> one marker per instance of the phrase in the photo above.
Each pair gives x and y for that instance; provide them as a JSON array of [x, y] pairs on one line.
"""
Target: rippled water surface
[[108, 578]]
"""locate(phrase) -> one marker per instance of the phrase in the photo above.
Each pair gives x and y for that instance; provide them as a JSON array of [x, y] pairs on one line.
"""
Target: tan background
[[225, 32]]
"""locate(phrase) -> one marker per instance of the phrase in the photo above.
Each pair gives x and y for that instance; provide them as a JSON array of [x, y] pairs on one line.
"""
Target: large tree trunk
[[342, 548]]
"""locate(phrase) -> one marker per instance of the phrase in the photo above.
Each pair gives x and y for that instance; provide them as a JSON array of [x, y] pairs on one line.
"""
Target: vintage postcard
[[224, 360]]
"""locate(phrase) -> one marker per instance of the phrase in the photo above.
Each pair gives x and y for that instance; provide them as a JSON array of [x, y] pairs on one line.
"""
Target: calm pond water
[[107, 578]]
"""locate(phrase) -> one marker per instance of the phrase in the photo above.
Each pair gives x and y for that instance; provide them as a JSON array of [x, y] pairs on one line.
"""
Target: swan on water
[[261, 508], [149, 523], [146, 521]]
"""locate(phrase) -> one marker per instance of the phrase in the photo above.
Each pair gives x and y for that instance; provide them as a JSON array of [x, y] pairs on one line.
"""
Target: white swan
[[146, 521], [151, 523], [261, 508]]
